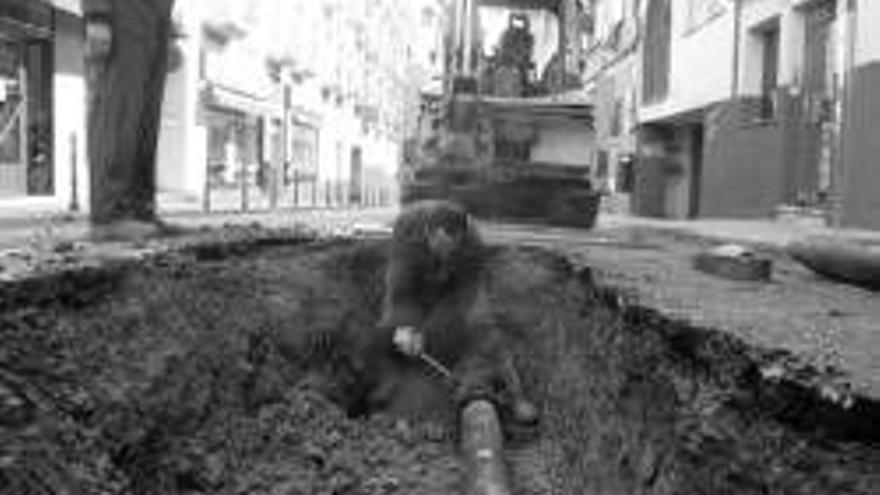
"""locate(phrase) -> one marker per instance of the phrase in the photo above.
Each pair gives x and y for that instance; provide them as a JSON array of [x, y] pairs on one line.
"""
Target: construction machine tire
[[575, 208], [421, 191], [477, 199]]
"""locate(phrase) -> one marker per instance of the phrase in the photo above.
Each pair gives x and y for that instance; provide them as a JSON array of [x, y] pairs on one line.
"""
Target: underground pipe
[[482, 449]]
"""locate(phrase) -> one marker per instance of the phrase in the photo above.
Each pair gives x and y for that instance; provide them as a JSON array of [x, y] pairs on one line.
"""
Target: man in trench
[[436, 314]]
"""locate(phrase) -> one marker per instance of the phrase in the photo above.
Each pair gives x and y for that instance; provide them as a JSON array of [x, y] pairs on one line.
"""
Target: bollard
[[482, 448]]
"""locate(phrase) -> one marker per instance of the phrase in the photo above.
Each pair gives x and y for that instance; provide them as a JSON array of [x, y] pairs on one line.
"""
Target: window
[[617, 118], [820, 64], [769, 69], [26, 139], [656, 56]]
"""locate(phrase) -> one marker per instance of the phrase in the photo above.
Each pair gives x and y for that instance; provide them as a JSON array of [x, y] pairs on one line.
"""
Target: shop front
[[241, 130], [26, 76], [300, 185]]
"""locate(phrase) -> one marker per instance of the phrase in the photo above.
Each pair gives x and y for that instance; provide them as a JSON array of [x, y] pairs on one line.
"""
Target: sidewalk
[[815, 323], [768, 232], [20, 227], [37, 227]]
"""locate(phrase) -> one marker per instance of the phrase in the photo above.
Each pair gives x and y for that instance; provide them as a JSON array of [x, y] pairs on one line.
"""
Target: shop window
[[26, 143], [303, 154]]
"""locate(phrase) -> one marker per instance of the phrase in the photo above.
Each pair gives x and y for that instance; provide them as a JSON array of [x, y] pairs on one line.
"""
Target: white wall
[[564, 143], [792, 37], [72, 6], [701, 64], [868, 32], [339, 132], [181, 155], [608, 12], [70, 111], [758, 11], [301, 33], [381, 162], [756, 14], [751, 62]]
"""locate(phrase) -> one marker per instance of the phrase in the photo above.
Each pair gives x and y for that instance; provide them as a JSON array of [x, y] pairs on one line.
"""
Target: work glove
[[409, 341]]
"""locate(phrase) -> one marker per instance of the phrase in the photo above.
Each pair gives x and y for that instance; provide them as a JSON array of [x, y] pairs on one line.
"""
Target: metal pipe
[[482, 448], [438, 367], [481, 440]]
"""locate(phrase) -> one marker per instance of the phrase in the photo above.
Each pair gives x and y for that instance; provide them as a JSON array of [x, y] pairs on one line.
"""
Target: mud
[[219, 371]]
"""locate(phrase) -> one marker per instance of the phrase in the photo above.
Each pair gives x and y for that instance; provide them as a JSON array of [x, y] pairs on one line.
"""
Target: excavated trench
[[218, 370]]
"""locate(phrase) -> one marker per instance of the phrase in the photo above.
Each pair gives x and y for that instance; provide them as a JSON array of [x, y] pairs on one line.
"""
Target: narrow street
[[435, 247]]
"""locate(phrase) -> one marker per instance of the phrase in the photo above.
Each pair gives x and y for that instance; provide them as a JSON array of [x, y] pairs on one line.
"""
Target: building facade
[[611, 78], [268, 103], [686, 68], [774, 145], [280, 103], [746, 108], [859, 173], [42, 104]]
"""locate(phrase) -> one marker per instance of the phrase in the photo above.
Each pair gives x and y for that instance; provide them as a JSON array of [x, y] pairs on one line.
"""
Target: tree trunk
[[126, 91]]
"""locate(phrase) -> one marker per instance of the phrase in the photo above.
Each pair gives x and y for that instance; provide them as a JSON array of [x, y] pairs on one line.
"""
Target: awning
[[304, 116], [230, 99], [72, 6], [433, 88]]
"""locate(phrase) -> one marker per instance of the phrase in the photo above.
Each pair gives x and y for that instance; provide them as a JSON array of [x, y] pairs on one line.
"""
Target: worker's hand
[[409, 341]]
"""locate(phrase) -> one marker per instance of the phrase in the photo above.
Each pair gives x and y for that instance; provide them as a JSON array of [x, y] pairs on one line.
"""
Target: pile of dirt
[[635, 403], [218, 371], [201, 372]]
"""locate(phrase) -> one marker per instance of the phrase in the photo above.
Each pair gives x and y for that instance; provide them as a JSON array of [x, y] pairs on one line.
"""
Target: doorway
[[26, 144], [696, 151], [357, 176], [821, 92]]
